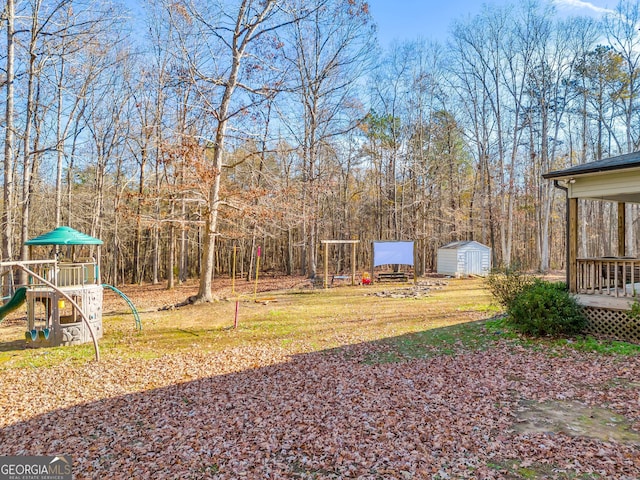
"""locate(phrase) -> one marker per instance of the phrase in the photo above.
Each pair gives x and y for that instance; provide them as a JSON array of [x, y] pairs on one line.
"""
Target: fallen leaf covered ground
[[258, 412], [388, 403]]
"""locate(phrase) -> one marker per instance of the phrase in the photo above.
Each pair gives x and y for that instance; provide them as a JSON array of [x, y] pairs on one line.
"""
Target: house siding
[[604, 185]]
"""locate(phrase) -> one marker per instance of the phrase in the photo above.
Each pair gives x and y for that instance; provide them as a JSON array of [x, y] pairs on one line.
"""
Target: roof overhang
[[615, 179], [560, 175], [627, 162]]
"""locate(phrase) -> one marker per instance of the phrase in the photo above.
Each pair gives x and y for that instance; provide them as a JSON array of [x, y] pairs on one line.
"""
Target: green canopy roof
[[64, 236]]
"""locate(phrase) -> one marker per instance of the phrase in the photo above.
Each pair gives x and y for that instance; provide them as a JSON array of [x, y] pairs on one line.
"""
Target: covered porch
[[608, 285]]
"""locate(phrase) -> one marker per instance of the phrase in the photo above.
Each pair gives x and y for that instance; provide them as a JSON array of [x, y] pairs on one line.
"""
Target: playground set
[[63, 294], [384, 252]]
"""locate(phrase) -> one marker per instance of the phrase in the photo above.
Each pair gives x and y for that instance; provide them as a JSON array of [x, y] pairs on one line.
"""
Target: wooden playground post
[[353, 264], [326, 265]]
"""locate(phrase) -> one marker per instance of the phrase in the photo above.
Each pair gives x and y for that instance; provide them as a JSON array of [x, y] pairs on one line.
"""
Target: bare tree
[[331, 52], [557, 54], [230, 37], [9, 147], [390, 91], [621, 29]]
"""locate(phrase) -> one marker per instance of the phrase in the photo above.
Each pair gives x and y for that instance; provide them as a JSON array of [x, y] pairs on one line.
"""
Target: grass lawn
[[338, 383], [298, 320]]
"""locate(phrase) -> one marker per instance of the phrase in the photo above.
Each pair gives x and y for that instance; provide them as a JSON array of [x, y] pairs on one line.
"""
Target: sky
[[430, 19]]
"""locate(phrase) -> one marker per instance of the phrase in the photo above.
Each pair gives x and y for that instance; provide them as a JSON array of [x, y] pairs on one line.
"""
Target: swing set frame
[[326, 244]]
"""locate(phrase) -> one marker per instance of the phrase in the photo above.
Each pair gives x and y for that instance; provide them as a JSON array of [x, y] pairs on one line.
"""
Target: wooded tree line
[[180, 131]]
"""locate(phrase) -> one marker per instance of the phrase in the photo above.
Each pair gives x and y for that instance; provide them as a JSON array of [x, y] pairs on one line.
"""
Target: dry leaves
[[154, 297], [256, 413]]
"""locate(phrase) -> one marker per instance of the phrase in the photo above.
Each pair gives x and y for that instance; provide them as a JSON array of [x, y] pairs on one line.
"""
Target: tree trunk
[[243, 35], [137, 245], [172, 251], [7, 212], [59, 146], [27, 154]]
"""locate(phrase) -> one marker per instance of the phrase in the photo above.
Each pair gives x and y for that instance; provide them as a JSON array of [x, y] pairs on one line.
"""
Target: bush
[[507, 283], [546, 308]]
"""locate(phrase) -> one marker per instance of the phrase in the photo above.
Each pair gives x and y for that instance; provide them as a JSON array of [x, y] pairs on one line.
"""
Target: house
[[607, 285], [464, 258]]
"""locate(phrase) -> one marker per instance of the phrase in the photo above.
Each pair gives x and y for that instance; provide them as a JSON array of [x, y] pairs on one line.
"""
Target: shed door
[[473, 262]]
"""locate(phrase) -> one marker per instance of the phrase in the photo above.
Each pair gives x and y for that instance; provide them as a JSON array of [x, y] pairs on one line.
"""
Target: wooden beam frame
[[326, 244]]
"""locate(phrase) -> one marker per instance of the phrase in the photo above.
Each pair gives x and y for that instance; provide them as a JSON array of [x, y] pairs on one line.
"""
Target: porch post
[[572, 257], [622, 228]]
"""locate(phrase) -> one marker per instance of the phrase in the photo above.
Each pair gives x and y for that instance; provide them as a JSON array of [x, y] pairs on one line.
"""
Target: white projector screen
[[391, 253]]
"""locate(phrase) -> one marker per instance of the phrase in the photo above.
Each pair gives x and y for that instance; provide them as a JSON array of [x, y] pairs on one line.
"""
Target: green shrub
[[634, 313], [546, 308], [506, 284]]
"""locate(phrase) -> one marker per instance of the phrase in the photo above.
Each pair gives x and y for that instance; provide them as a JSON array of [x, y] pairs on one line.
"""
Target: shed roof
[[621, 162], [64, 236], [462, 243]]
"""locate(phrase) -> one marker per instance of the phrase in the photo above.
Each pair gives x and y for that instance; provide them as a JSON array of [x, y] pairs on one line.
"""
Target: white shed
[[464, 258]]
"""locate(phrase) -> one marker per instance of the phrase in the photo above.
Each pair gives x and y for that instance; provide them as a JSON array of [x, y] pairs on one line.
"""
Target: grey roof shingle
[[621, 162]]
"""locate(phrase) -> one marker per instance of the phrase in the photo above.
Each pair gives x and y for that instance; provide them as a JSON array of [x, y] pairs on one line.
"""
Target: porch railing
[[618, 277]]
